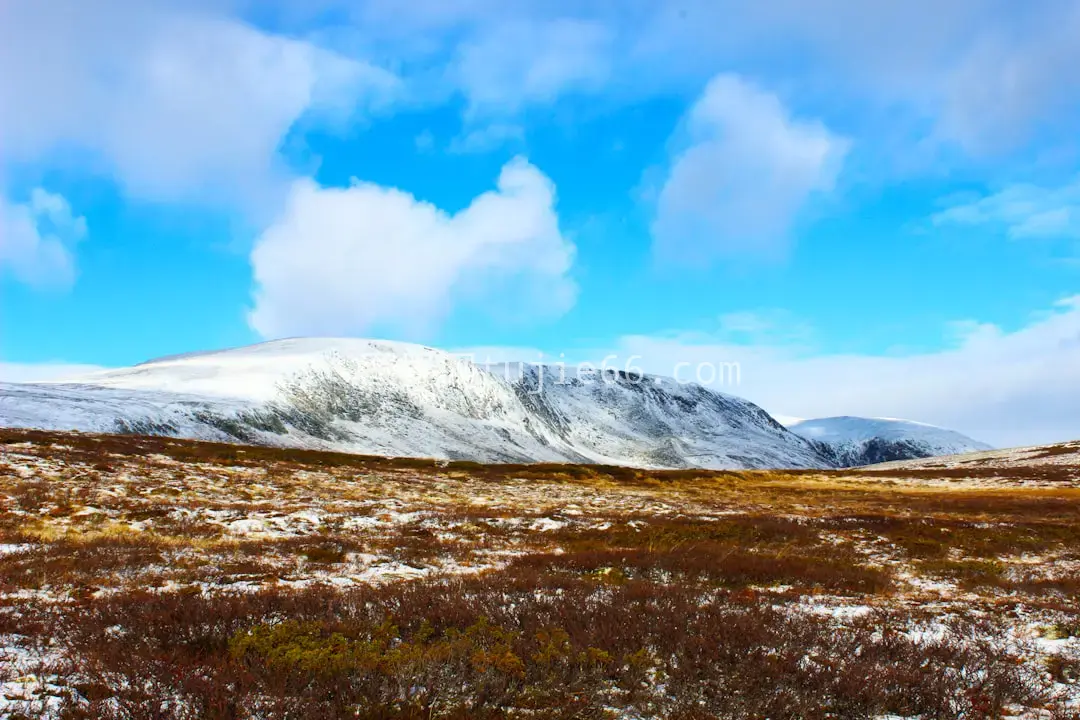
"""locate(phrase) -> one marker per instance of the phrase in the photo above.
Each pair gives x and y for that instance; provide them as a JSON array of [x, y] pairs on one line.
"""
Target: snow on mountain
[[655, 421], [857, 441], [392, 398]]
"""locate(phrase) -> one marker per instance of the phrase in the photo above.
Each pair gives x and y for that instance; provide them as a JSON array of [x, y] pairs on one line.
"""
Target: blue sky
[[873, 209]]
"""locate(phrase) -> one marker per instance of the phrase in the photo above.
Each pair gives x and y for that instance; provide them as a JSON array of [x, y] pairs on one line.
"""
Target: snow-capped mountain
[[399, 399], [857, 441], [391, 398]]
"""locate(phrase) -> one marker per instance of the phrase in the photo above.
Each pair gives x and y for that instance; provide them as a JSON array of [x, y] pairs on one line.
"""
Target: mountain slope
[[855, 441], [655, 421], [392, 398]]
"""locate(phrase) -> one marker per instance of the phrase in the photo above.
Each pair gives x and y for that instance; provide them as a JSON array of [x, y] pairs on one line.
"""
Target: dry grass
[[260, 582]]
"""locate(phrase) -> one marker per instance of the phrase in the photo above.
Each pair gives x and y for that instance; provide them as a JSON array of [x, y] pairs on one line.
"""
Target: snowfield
[[404, 400]]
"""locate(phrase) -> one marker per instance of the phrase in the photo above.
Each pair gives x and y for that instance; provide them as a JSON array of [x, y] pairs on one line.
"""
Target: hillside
[[854, 441], [397, 399]]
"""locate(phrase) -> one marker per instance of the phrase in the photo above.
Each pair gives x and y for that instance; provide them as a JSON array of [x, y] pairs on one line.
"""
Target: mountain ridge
[[398, 399]]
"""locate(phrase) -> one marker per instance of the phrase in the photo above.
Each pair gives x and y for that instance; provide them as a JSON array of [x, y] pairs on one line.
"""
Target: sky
[[872, 208]]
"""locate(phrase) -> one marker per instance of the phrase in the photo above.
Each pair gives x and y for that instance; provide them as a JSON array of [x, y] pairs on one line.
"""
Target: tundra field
[[148, 577]]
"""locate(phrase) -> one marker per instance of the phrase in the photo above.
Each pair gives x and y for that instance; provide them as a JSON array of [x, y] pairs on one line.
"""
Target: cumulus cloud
[[1024, 211], [175, 103], [342, 261], [748, 170], [1002, 387], [36, 239]]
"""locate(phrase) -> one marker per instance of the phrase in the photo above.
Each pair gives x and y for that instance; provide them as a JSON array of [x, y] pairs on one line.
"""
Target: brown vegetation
[[162, 578], [556, 648]]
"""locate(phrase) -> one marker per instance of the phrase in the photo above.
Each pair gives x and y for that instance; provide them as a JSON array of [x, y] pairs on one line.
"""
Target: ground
[[161, 578]]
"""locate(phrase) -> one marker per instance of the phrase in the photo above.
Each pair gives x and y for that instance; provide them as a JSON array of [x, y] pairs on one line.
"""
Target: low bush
[[523, 643]]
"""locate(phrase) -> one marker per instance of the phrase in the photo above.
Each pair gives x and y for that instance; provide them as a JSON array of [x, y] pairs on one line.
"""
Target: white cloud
[[41, 372], [749, 169], [510, 64], [984, 74], [1005, 388], [341, 261], [114, 69], [36, 239], [1025, 211], [176, 104]]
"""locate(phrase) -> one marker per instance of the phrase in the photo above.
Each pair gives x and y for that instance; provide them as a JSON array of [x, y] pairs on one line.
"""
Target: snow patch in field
[[546, 524], [15, 548]]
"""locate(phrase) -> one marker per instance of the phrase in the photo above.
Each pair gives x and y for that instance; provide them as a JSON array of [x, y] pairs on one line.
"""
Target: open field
[[161, 578]]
